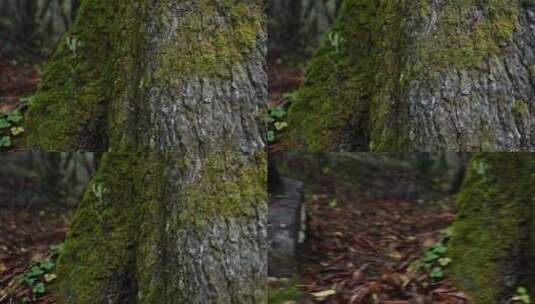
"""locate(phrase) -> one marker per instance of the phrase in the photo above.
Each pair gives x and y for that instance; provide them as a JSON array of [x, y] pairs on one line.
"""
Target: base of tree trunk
[[153, 228], [493, 243]]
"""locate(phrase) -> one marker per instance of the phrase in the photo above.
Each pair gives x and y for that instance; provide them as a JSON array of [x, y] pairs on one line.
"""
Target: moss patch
[[206, 45], [100, 248], [286, 290], [491, 234], [355, 90], [73, 93], [113, 245], [226, 187], [467, 33], [99, 67]]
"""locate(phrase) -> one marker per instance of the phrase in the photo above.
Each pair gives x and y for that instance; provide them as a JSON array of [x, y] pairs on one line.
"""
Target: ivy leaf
[[14, 116], [270, 136], [17, 130], [47, 264], [35, 271], [439, 248], [39, 288], [4, 123], [5, 141], [49, 277], [430, 256], [444, 261], [277, 113], [436, 273], [280, 125], [522, 295]]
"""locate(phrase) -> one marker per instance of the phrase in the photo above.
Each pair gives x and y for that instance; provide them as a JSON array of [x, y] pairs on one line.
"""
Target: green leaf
[[281, 125], [47, 264], [14, 116], [522, 295], [444, 261], [436, 273], [28, 280], [16, 130], [277, 113], [39, 288], [5, 141], [270, 136], [36, 271], [430, 256], [439, 248], [49, 277], [4, 123]]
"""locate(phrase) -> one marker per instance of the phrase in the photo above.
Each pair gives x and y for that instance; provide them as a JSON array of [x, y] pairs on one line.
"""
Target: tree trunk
[[161, 227], [150, 68], [493, 245], [421, 75], [177, 210]]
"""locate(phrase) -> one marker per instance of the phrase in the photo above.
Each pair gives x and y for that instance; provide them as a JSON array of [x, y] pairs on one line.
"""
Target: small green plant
[[10, 127], [73, 44], [434, 260], [522, 296], [336, 41], [276, 122], [98, 191], [41, 273]]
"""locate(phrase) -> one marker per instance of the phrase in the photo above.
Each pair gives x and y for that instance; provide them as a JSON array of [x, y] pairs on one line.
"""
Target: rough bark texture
[[191, 66], [177, 211], [422, 75], [493, 242], [156, 228]]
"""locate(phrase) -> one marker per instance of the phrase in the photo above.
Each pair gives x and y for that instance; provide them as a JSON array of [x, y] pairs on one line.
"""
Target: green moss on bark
[[491, 245], [467, 33], [354, 95], [206, 45], [98, 75], [226, 187], [72, 94], [124, 218], [100, 249]]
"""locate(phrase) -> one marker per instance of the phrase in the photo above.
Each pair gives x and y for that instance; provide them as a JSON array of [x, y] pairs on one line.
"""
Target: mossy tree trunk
[[421, 75], [493, 244], [177, 210]]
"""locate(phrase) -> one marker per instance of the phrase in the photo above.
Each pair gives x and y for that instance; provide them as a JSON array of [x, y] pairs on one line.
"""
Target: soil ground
[[27, 234]]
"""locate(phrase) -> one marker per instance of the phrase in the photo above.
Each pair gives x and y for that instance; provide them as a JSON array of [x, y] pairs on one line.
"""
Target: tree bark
[[154, 227], [421, 75], [132, 66], [493, 245], [177, 210]]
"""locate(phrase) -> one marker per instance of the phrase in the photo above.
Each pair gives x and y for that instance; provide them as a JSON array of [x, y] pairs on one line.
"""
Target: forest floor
[[18, 79], [388, 251], [28, 236], [283, 77]]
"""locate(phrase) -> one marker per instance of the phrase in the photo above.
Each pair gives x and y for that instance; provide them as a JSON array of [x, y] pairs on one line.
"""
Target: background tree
[[33, 27], [493, 240], [35, 180], [421, 75], [176, 212], [295, 27]]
